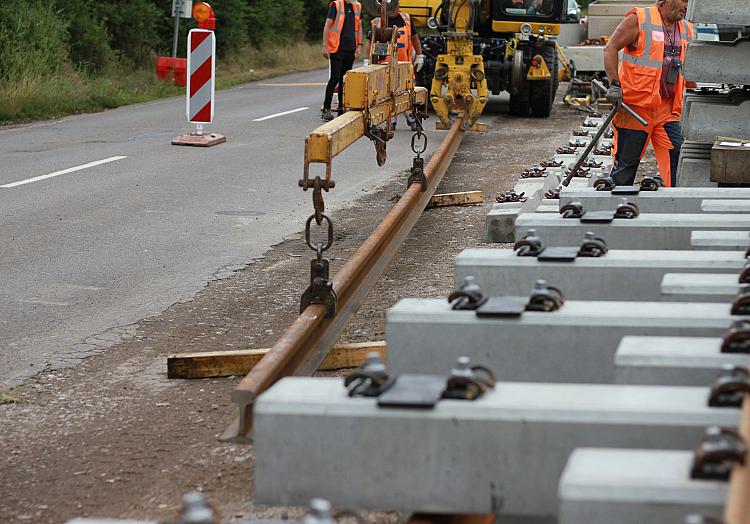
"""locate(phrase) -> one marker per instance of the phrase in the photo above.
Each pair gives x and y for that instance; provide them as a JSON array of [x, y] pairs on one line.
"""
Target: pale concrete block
[[499, 225], [502, 453], [576, 343], [704, 287], [634, 486], [725, 206], [729, 12], [720, 240], [647, 231], [587, 58], [618, 275], [725, 62], [672, 361], [665, 200]]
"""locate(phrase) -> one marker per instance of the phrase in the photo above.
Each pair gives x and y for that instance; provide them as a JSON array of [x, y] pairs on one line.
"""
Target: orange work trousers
[[631, 139]]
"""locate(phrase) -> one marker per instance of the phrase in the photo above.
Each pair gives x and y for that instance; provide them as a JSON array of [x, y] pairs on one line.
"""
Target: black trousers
[[341, 62]]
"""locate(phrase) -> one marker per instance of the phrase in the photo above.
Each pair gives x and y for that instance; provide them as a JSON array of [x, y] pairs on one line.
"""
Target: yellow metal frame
[[461, 73], [539, 72]]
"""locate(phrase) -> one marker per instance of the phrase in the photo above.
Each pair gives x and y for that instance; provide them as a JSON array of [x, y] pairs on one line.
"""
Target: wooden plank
[[456, 199], [227, 363]]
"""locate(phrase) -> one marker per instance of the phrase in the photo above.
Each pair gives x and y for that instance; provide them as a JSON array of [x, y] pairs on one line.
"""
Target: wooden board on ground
[[456, 199], [228, 363]]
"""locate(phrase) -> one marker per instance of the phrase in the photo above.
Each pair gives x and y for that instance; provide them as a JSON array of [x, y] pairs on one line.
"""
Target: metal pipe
[[305, 343], [178, 10], [598, 136]]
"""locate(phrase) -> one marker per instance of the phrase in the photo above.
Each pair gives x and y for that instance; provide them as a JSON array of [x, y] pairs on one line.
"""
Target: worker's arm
[[326, 29], [625, 35], [416, 44]]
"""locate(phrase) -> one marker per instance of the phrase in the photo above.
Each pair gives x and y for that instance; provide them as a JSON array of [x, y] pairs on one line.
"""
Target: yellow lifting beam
[[373, 96]]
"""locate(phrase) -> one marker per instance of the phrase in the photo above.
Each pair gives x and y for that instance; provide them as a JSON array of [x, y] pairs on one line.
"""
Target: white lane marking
[[44, 303], [63, 172], [280, 114]]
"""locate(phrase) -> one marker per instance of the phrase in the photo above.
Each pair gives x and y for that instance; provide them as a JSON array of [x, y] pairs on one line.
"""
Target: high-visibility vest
[[404, 37], [640, 70], [334, 32]]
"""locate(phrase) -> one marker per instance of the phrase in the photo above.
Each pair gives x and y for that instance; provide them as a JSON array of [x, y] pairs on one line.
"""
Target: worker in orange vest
[[342, 43], [649, 80], [409, 46]]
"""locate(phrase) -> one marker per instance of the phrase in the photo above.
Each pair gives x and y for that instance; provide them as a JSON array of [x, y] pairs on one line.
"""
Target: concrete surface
[[704, 287], [665, 200], [647, 231], [634, 486], [502, 453], [618, 275], [731, 12], [721, 62], [576, 343], [720, 240], [672, 361]]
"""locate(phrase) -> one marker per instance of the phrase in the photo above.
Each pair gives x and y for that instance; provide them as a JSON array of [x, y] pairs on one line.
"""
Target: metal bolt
[[375, 365], [320, 511], [462, 368], [195, 510]]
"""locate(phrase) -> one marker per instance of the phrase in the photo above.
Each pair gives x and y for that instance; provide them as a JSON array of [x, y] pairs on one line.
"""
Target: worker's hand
[[614, 94], [418, 63], [325, 53], [357, 51]]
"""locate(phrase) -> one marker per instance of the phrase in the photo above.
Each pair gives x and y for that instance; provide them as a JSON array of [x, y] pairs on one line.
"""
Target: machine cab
[[543, 16]]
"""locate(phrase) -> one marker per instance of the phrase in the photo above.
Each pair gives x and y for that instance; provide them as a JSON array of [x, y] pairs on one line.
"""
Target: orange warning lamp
[[204, 14]]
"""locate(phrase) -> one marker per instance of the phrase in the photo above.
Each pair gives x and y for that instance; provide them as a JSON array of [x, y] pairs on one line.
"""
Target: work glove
[[418, 63], [614, 94]]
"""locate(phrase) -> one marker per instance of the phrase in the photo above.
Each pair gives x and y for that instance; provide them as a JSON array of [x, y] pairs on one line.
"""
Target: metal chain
[[418, 146], [320, 290]]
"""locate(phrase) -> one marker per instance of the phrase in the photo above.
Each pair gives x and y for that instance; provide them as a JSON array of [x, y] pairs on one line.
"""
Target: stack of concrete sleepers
[[600, 398], [724, 109]]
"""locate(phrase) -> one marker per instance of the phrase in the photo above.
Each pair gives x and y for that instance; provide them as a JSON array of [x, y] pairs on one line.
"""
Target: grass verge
[[35, 97], [6, 397]]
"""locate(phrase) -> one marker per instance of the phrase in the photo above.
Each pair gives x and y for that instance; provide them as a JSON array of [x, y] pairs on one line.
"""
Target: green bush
[[315, 17], [275, 21], [88, 41], [32, 39]]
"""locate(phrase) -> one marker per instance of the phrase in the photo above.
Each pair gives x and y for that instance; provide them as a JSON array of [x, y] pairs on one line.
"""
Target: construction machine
[[476, 47]]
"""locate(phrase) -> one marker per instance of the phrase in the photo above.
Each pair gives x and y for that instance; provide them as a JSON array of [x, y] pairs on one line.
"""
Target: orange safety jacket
[[404, 37], [334, 32], [640, 69]]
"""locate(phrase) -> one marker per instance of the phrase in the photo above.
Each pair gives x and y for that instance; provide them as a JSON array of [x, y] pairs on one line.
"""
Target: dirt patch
[[113, 437]]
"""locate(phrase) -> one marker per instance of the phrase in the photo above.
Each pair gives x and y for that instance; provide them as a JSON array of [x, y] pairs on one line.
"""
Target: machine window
[[528, 7]]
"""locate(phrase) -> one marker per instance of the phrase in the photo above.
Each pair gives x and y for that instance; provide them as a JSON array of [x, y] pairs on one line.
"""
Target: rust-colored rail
[[431, 518], [737, 510], [304, 345]]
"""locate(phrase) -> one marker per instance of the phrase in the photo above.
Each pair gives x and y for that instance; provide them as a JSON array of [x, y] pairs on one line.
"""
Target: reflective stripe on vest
[[404, 37], [334, 32], [639, 82]]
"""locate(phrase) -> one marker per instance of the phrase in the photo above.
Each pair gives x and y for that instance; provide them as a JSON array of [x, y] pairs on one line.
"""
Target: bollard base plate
[[193, 139]]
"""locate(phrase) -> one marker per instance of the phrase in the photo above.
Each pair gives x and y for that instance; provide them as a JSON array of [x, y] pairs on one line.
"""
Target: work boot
[[327, 115]]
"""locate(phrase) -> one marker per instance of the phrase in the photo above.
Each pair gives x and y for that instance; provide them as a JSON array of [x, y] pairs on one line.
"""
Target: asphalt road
[[87, 253]]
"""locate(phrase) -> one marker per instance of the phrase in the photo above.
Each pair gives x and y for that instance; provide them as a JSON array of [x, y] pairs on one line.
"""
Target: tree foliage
[[43, 35]]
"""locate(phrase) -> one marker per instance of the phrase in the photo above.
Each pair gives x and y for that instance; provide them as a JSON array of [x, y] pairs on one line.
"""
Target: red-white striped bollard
[[201, 65]]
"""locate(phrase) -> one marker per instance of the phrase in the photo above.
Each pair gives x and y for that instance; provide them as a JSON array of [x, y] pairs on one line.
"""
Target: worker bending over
[[649, 80], [408, 43], [342, 43]]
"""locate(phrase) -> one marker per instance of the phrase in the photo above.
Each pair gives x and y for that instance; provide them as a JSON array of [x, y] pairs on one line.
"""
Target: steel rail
[[305, 343], [737, 510]]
